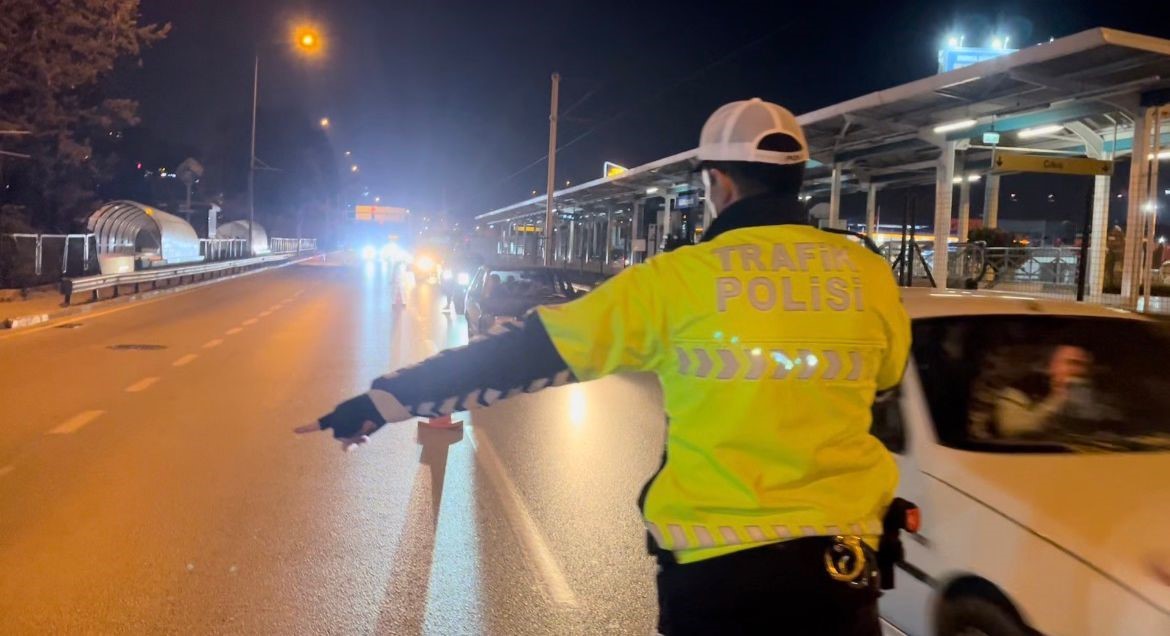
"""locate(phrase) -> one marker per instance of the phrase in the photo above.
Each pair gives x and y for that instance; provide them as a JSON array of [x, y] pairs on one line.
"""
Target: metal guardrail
[[95, 284]]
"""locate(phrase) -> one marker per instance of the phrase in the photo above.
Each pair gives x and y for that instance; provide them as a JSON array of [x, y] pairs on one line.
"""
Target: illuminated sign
[[610, 170], [379, 213], [1053, 164], [527, 229], [951, 58]]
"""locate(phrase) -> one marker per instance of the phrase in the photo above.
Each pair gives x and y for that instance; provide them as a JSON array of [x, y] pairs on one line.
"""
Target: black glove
[[347, 419]]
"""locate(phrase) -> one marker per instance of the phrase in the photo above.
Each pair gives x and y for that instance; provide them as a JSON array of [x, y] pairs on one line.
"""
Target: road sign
[[951, 58], [1054, 164], [379, 213], [611, 169]]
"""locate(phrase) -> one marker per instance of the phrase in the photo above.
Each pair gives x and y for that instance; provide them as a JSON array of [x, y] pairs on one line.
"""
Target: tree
[[53, 57]]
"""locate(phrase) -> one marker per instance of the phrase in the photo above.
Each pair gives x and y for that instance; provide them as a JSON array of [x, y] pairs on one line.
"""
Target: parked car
[[1034, 435], [504, 294]]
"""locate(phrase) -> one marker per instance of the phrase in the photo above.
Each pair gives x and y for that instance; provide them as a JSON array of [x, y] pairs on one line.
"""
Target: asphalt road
[[149, 481]]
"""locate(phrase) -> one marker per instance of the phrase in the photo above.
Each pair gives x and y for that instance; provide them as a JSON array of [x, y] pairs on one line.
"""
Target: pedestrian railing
[[28, 259], [975, 265], [219, 249], [292, 245]]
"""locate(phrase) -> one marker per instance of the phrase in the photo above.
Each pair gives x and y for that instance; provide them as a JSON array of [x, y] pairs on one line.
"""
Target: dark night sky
[[443, 95]]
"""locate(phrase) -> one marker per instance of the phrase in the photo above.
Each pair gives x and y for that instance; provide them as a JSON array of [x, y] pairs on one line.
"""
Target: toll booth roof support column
[[943, 193], [991, 201], [835, 196]]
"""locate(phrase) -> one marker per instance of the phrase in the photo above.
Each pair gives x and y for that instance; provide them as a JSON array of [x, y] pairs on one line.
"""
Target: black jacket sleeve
[[513, 359]]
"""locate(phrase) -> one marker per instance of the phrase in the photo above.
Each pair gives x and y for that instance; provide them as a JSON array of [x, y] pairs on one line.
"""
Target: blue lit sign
[[951, 58]]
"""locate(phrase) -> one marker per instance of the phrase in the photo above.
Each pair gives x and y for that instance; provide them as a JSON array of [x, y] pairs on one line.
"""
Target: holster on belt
[[901, 515]]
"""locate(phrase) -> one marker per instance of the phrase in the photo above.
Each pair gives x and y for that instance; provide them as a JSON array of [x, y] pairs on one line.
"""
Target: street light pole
[[552, 170], [252, 156]]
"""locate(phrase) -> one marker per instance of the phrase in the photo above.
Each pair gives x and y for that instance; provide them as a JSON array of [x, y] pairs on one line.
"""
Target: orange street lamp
[[307, 39]]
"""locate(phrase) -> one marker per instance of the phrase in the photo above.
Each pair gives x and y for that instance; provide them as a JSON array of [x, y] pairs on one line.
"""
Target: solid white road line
[[233, 331], [265, 313], [211, 344], [275, 307], [251, 321], [4, 470], [535, 547], [184, 360], [141, 385], [77, 421]]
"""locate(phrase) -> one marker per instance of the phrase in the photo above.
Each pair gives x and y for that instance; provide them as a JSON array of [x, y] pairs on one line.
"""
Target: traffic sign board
[[1054, 164], [379, 213]]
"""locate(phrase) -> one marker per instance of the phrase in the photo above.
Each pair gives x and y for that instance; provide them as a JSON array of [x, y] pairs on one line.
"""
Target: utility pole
[[552, 169], [252, 156]]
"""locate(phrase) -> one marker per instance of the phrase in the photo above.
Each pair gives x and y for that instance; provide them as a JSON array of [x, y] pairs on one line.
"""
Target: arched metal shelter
[[134, 229], [239, 230]]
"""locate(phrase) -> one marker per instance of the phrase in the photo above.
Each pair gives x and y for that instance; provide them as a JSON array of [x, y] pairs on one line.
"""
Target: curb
[[20, 322], [25, 321]]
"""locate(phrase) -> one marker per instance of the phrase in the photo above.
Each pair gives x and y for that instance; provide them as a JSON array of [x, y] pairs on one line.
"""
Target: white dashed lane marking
[[184, 360], [233, 331], [210, 344], [265, 313], [251, 321], [141, 385], [74, 423]]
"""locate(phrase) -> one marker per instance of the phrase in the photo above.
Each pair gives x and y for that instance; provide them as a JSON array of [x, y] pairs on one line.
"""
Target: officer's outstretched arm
[[513, 360], [611, 329]]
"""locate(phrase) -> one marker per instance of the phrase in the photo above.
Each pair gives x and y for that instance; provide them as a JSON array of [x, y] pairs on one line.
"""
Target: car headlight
[[463, 279], [447, 275], [368, 253]]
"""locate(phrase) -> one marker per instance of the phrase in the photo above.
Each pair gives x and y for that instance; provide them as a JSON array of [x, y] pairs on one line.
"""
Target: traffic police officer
[[770, 338]]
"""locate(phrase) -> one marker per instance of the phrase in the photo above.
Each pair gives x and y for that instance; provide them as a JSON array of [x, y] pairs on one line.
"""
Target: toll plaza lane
[[149, 481]]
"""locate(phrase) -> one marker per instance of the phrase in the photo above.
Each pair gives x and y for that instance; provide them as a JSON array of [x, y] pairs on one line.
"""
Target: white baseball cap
[[737, 130]]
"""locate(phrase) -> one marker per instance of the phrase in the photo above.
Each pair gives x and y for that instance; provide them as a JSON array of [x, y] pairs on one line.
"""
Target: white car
[[1034, 436]]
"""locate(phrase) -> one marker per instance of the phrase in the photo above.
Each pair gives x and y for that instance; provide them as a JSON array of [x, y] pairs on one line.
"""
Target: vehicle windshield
[[1046, 383]]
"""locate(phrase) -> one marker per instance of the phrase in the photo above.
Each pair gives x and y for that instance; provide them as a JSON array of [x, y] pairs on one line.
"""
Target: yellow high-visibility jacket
[[770, 343]]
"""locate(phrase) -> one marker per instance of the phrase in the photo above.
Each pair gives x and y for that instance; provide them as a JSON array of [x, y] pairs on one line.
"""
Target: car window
[[1046, 383], [887, 421], [531, 283]]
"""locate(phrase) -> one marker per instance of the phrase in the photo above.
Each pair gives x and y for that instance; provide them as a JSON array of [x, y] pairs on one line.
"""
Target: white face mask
[[708, 200]]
